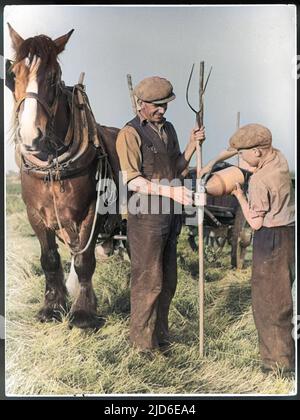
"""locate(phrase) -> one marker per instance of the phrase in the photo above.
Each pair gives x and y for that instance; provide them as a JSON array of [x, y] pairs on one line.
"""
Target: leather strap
[[37, 98]]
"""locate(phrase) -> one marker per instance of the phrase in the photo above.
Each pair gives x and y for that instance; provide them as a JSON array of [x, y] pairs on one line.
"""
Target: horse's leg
[[55, 293], [83, 312]]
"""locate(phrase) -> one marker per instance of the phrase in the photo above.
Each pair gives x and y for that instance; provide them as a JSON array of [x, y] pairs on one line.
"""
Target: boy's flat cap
[[249, 136], [156, 90]]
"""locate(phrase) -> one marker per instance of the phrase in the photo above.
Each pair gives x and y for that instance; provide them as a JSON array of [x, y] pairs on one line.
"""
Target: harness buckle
[[47, 178], [62, 186]]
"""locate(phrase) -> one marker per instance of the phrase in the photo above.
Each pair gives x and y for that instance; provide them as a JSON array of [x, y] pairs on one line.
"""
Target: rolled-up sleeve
[[259, 199], [128, 147]]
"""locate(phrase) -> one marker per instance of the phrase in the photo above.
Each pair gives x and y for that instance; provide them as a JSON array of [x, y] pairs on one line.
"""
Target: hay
[[50, 359]]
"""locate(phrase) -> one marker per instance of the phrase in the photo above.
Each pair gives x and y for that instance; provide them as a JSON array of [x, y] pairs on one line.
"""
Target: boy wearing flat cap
[[270, 211], [149, 152]]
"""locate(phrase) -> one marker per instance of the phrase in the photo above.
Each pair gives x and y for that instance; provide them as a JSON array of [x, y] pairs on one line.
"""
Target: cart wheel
[[240, 240], [191, 239], [206, 239], [220, 240]]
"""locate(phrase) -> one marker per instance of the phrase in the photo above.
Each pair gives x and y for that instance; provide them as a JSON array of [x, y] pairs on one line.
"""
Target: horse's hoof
[[84, 320], [49, 314]]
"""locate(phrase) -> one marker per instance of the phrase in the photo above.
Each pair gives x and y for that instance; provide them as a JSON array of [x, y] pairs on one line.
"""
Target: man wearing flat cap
[[151, 160], [270, 211]]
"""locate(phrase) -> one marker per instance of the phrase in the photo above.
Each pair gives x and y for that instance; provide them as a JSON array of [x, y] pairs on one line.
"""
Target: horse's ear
[[61, 41], [17, 40]]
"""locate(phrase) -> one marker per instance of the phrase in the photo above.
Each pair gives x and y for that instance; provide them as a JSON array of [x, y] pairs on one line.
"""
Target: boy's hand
[[238, 192], [207, 168]]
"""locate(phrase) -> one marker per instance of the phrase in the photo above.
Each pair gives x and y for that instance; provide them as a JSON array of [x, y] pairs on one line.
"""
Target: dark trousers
[[272, 277], [152, 243]]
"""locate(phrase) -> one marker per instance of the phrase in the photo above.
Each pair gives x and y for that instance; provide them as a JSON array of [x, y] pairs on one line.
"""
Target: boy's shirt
[[271, 194]]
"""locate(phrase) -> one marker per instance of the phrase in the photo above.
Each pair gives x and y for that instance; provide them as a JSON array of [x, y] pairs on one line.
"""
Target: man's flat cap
[[249, 136], [156, 90]]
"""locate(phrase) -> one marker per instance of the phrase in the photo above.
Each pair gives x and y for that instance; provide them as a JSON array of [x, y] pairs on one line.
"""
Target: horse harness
[[82, 142], [83, 146]]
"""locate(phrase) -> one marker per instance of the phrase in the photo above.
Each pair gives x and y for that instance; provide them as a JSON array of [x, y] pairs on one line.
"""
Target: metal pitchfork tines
[[199, 114]]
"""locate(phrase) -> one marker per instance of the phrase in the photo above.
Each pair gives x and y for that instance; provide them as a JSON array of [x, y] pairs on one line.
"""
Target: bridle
[[50, 111]]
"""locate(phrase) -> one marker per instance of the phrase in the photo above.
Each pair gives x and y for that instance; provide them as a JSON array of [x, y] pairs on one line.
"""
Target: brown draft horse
[[59, 147]]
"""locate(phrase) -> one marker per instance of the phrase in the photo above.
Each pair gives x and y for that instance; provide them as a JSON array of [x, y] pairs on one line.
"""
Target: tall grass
[[51, 359]]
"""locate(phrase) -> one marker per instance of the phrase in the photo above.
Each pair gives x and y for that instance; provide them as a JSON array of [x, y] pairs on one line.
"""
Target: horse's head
[[36, 87]]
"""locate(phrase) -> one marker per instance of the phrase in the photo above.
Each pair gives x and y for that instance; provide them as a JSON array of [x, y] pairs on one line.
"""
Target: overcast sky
[[251, 49]]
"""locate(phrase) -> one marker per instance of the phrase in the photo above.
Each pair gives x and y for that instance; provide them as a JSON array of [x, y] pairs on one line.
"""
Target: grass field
[[51, 359]]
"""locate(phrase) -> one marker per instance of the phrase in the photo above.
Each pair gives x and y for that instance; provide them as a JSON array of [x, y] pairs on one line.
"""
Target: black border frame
[[144, 401]]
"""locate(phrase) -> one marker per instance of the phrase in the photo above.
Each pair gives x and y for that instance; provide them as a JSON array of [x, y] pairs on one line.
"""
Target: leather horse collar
[[82, 141]]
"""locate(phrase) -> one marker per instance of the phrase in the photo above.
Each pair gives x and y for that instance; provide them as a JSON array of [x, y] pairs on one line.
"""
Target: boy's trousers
[[272, 276]]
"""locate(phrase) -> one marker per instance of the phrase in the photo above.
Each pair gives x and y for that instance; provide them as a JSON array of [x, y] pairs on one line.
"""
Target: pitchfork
[[200, 197]]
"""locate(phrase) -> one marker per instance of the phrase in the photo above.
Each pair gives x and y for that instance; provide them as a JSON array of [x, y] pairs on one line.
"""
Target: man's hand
[[182, 195], [197, 134], [238, 192]]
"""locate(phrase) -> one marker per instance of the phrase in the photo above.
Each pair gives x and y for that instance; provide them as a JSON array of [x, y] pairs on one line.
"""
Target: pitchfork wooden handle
[[199, 159], [81, 77]]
